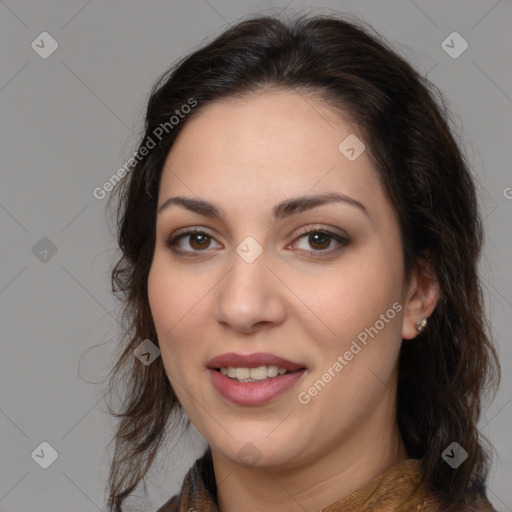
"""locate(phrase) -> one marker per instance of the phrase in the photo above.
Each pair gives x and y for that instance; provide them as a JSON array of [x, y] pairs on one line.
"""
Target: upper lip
[[251, 361]]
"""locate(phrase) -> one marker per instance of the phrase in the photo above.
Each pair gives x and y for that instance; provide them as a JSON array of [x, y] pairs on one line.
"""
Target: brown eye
[[199, 241], [319, 240], [190, 242]]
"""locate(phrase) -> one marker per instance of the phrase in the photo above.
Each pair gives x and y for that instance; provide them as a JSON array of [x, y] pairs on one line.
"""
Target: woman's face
[[254, 295]]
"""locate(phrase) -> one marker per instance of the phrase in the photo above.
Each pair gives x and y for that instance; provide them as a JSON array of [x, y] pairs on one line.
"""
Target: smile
[[256, 374], [253, 379]]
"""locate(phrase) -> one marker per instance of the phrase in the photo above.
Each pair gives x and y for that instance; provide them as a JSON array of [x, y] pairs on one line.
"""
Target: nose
[[250, 297]]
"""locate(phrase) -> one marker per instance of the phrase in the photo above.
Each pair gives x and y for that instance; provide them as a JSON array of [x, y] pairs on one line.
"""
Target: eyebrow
[[284, 209]]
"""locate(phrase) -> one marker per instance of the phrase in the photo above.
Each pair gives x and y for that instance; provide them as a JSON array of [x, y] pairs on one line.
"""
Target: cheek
[[177, 301], [179, 316], [174, 292], [163, 302], [363, 311], [373, 281], [351, 296]]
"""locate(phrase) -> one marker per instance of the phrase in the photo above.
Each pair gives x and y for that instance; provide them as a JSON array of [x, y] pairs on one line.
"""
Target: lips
[[252, 361]]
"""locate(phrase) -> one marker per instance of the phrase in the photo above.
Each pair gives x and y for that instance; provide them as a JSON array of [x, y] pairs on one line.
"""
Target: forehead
[[266, 147]]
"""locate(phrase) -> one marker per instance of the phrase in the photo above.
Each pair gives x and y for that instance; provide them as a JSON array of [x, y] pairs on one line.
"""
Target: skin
[[246, 156]]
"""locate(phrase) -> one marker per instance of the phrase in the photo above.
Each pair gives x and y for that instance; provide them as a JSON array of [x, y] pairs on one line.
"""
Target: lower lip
[[253, 393]]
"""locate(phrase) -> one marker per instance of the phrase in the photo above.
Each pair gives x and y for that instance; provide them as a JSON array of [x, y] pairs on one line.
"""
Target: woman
[[300, 238]]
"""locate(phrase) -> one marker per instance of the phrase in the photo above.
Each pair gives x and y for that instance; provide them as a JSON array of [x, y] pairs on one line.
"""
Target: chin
[[260, 450]]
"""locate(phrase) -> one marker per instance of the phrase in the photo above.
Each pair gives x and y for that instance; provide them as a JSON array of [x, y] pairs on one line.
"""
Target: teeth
[[257, 373], [253, 374], [242, 373], [272, 371]]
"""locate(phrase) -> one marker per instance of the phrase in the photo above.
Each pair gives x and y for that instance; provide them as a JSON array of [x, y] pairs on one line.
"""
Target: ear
[[422, 296]]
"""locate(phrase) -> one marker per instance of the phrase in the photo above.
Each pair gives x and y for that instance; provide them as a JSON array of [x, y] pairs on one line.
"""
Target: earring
[[421, 325]]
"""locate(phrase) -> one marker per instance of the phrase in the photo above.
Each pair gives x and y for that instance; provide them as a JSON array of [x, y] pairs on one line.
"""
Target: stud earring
[[421, 325]]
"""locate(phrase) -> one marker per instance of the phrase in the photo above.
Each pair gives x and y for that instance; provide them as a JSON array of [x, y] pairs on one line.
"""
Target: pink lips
[[251, 361], [253, 393]]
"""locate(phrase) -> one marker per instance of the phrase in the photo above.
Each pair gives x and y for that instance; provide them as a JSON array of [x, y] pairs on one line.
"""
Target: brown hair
[[403, 121]]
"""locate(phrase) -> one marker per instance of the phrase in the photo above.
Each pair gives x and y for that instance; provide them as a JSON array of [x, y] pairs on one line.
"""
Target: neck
[[331, 475]]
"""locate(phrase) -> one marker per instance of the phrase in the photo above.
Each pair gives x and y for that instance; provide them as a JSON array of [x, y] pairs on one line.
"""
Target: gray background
[[71, 120]]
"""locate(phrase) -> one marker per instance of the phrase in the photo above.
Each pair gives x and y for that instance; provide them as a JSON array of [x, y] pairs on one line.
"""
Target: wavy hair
[[404, 121]]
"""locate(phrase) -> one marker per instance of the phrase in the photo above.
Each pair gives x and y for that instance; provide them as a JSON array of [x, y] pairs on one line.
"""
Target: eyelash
[[171, 243]]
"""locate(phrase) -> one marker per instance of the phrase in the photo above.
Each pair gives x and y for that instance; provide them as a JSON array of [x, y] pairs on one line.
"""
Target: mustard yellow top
[[400, 489]]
